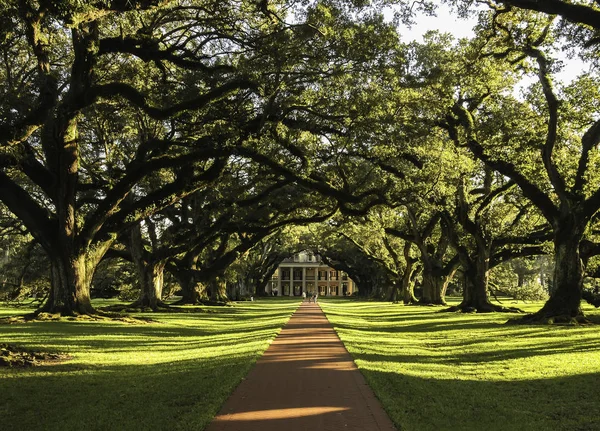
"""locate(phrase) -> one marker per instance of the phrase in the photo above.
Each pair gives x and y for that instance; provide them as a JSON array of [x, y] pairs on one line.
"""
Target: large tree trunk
[[72, 265], [150, 273], [263, 280], [218, 290], [475, 293], [71, 269], [392, 292], [408, 292], [434, 288], [435, 282], [70, 287], [192, 291], [446, 282], [408, 285], [564, 304], [261, 286], [151, 280], [435, 277]]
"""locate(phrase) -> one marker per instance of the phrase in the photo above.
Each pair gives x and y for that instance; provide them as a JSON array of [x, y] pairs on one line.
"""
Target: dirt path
[[305, 381]]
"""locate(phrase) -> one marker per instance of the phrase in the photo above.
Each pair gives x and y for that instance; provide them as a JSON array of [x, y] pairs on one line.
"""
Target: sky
[[445, 22]]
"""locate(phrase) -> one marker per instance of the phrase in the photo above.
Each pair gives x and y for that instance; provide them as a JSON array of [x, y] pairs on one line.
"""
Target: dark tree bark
[[150, 273], [435, 284], [564, 305], [217, 289], [476, 277], [192, 291], [568, 207], [184, 270], [151, 283], [408, 287], [437, 273], [71, 282], [477, 259], [586, 15]]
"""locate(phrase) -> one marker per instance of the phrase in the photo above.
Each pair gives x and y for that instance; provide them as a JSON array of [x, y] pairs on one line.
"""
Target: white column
[[279, 273], [304, 279], [290, 281]]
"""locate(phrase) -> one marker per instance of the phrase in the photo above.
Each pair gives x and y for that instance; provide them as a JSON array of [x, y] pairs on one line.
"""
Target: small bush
[[531, 291]]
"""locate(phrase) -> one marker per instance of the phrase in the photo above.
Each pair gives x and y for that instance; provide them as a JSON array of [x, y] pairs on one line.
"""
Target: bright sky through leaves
[[447, 22]]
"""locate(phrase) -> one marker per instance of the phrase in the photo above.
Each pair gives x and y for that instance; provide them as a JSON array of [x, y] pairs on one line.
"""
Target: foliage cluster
[[181, 138]]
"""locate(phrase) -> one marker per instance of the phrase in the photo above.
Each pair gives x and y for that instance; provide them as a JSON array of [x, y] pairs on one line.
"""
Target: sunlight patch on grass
[[452, 371], [171, 374]]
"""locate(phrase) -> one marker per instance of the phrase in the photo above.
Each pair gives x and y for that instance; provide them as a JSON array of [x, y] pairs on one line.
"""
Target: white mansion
[[305, 272]]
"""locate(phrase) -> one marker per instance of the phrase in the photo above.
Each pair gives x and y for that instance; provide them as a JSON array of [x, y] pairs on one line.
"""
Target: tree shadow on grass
[[478, 343], [178, 375], [176, 395], [558, 404], [453, 357], [435, 322], [64, 337]]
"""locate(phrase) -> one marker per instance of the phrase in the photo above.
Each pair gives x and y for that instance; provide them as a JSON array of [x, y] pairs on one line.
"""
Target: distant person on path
[[303, 296]]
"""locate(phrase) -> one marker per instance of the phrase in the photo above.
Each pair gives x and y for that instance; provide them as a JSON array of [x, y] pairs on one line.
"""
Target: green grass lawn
[[447, 371], [168, 375]]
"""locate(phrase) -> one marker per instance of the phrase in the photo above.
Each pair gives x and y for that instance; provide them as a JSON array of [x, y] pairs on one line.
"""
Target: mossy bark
[[218, 290], [150, 273], [476, 276], [435, 285], [192, 291], [71, 280], [564, 305], [151, 284]]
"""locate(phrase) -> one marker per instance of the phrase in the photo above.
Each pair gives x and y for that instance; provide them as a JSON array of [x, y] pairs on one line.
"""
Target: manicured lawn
[[168, 375], [442, 371]]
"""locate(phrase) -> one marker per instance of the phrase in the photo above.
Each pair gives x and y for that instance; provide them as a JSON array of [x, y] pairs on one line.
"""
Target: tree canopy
[[186, 135]]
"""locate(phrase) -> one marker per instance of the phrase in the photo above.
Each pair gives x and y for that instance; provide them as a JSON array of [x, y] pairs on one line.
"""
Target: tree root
[[126, 308], [65, 310], [99, 316], [145, 306], [12, 356], [482, 308], [432, 303], [546, 318], [412, 301], [188, 301], [201, 302]]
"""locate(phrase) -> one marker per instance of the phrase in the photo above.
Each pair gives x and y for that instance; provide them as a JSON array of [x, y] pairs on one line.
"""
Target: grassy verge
[[446, 371], [169, 375]]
